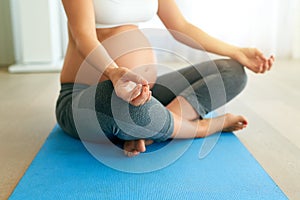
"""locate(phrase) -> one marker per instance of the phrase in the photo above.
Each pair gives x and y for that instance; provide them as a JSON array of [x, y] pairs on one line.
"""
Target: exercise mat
[[65, 169]]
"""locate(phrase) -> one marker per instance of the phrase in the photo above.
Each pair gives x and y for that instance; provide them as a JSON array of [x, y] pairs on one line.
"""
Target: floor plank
[[27, 117], [271, 104]]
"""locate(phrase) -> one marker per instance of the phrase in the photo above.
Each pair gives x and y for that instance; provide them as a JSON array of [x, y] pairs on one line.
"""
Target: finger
[[271, 62], [257, 65], [142, 91], [253, 67], [272, 57], [136, 92], [136, 78], [260, 55], [259, 68], [129, 90], [261, 63], [149, 97], [265, 66], [142, 98], [149, 94]]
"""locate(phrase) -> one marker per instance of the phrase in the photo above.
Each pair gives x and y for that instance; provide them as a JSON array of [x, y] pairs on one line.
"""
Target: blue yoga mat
[[64, 169]]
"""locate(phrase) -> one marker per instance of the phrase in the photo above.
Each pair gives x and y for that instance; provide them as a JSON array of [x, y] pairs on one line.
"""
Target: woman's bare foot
[[225, 123], [135, 147]]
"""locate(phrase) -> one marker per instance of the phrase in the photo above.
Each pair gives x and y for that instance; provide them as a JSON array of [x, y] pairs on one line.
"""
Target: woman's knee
[[232, 72], [239, 73], [149, 121]]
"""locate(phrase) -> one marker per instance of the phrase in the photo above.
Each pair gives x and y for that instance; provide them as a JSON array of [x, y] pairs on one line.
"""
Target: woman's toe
[[140, 145]]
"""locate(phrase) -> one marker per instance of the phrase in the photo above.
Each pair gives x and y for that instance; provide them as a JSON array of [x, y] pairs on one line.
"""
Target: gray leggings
[[79, 107]]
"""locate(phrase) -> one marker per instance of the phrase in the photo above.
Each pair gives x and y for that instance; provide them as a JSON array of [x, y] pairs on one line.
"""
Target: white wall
[[296, 31], [271, 25], [6, 39], [38, 35]]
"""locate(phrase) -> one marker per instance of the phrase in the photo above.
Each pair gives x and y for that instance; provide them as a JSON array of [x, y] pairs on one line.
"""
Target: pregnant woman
[[159, 108]]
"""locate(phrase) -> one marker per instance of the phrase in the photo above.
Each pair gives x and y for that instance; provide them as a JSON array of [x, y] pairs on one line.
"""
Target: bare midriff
[[126, 45]]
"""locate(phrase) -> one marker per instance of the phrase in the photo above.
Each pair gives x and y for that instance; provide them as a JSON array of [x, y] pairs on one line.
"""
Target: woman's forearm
[[93, 52], [251, 58], [197, 38]]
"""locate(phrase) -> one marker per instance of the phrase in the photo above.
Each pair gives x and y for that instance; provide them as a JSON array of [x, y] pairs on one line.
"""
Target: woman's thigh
[[229, 72]]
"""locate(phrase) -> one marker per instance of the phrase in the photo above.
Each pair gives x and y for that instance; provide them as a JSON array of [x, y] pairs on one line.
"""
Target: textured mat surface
[[64, 169]]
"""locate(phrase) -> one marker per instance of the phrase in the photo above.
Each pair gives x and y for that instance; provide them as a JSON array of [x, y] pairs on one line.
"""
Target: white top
[[112, 13]]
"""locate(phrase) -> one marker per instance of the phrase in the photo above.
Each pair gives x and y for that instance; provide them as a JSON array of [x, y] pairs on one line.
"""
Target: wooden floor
[[270, 102]]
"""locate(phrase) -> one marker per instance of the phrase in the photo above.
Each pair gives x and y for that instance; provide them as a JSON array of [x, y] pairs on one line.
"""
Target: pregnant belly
[[141, 62], [131, 49]]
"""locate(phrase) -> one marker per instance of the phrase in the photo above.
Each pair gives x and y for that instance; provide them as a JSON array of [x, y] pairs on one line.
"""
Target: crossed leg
[[186, 118]]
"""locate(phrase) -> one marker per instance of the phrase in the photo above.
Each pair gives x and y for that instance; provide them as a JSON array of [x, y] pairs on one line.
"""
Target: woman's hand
[[130, 86], [254, 60]]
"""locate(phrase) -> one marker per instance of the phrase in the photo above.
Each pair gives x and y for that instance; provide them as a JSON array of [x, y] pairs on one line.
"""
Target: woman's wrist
[[235, 53], [109, 71]]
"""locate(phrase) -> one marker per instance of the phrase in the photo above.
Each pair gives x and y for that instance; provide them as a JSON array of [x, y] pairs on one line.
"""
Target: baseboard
[[36, 67]]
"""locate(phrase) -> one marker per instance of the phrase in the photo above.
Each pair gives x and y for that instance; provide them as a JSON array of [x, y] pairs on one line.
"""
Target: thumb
[[260, 55], [131, 76]]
